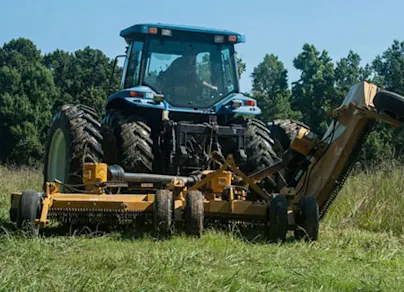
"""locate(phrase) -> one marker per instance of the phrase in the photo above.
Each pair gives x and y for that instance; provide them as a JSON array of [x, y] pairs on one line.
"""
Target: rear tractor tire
[[74, 137], [163, 213], [307, 220], [28, 210], [194, 213], [127, 142], [260, 154], [283, 133], [278, 219]]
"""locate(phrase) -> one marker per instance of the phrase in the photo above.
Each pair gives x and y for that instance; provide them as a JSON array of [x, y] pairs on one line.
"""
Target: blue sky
[[279, 27]]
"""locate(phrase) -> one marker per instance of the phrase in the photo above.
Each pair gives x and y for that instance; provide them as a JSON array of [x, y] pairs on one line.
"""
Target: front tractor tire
[[127, 142], [74, 137]]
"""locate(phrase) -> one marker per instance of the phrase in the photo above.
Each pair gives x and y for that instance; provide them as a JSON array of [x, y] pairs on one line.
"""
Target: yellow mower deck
[[213, 183]]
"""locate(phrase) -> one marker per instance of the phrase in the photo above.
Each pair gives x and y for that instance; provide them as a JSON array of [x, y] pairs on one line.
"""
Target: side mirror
[[158, 98]]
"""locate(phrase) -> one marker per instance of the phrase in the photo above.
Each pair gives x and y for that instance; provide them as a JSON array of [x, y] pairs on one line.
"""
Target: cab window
[[133, 70]]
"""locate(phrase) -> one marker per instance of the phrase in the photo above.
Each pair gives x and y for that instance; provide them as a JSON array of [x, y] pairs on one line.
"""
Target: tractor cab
[[188, 67]]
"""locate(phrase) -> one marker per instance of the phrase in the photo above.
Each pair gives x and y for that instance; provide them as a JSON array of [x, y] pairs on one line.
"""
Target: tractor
[[179, 101]]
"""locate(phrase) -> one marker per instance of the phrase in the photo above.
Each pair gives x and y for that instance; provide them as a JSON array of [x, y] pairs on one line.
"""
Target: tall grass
[[16, 180], [372, 200]]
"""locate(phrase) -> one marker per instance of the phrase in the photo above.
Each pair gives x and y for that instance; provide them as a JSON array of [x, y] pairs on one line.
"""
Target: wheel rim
[[57, 157]]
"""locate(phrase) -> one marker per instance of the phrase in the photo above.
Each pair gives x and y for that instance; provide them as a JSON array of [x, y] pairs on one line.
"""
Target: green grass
[[361, 247]]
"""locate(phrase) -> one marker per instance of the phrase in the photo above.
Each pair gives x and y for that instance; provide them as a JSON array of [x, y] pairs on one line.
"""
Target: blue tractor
[[179, 102]]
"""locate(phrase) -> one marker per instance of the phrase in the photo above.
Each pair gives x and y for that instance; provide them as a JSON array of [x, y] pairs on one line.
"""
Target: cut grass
[[342, 260], [361, 247]]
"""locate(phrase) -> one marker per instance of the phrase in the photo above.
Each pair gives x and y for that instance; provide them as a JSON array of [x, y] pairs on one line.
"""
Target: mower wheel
[[28, 211], [194, 213], [74, 137], [163, 213], [278, 219], [307, 220]]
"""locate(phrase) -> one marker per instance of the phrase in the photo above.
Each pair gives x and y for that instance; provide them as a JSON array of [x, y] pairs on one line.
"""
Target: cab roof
[[144, 29]]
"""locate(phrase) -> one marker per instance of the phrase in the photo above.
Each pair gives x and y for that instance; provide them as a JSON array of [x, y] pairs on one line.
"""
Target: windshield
[[190, 74]]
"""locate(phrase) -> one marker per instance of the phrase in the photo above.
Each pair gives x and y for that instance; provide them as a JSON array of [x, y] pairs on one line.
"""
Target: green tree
[[270, 88], [313, 94], [389, 68], [347, 73], [80, 74], [26, 93]]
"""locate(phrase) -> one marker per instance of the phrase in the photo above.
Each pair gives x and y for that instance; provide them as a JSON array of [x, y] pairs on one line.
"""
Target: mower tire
[[74, 137], [307, 220], [278, 219], [28, 211], [163, 213], [194, 213]]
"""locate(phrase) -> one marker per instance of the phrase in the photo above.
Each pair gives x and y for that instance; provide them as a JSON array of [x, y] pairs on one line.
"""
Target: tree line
[[33, 86], [323, 84]]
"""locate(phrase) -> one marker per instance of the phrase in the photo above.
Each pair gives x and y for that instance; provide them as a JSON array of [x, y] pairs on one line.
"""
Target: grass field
[[361, 247]]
